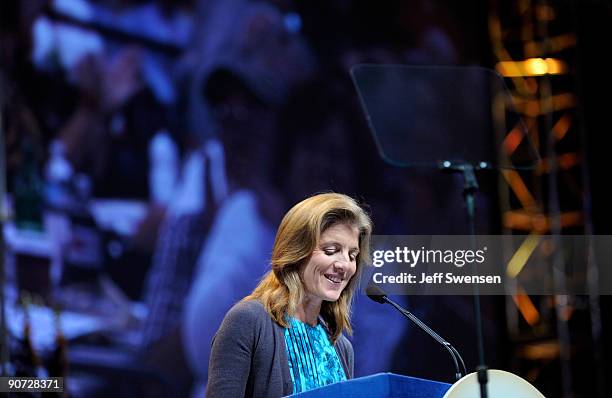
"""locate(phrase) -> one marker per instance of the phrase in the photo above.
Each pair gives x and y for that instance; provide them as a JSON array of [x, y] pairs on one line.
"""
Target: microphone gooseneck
[[377, 294]]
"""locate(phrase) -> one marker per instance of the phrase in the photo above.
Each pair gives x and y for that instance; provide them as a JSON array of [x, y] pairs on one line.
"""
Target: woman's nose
[[342, 261]]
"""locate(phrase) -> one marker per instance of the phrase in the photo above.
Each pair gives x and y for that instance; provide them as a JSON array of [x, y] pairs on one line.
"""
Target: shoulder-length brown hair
[[281, 289]]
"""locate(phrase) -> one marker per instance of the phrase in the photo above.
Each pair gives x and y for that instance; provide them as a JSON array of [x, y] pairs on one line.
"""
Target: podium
[[381, 385]]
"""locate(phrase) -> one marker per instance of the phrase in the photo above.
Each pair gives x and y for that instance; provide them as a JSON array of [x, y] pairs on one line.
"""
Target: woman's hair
[[281, 289]]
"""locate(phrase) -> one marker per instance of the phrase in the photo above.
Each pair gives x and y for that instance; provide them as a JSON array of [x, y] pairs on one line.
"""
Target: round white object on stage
[[501, 384]]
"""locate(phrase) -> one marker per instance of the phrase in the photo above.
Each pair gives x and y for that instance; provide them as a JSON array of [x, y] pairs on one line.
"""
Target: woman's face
[[332, 263]]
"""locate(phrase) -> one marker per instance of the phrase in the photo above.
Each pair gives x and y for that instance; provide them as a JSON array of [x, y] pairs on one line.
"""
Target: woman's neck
[[308, 310]]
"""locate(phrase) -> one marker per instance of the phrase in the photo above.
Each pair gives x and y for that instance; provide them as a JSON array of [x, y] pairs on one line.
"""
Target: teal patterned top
[[313, 360]]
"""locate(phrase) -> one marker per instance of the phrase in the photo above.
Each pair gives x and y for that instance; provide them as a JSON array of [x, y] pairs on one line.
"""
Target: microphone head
[[376, 293]]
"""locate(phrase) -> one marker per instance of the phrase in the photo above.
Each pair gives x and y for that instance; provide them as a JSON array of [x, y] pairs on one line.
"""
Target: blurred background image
[[149, 149]]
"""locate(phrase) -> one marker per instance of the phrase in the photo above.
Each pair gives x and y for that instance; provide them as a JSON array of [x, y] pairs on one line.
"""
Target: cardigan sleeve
[[232, 350], [345, 349]]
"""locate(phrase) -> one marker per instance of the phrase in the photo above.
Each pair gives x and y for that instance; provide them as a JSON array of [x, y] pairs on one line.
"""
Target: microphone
[[377, 294]]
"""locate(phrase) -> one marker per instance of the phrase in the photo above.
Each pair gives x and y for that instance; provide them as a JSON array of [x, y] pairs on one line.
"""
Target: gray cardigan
[[249, 356]]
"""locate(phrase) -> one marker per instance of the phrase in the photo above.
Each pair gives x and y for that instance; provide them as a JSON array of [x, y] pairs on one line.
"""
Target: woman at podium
[[287, 336]]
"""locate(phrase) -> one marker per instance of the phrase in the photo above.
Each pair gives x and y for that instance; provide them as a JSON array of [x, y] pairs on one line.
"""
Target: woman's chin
[[332, 296]]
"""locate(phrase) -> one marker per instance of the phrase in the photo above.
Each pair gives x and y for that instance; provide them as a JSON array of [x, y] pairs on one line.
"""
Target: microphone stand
[[470, 187]]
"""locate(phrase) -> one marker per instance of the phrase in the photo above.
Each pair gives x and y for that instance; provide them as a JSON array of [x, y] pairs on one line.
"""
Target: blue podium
[[381, 385]]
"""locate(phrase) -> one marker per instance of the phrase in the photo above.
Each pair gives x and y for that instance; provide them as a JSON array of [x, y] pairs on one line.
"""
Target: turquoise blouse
[[313, 360]]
